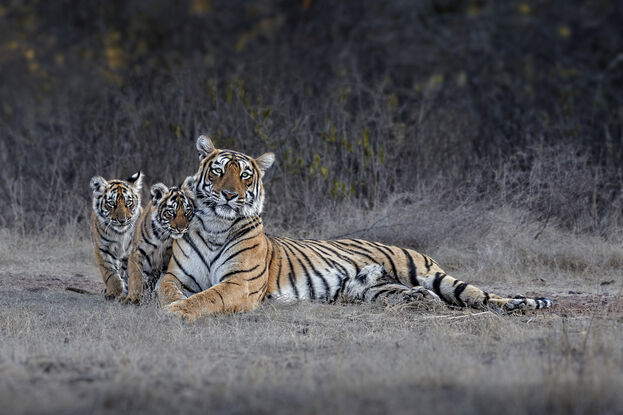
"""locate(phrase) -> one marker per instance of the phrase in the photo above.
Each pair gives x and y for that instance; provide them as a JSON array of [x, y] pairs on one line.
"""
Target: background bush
[[513, 102]]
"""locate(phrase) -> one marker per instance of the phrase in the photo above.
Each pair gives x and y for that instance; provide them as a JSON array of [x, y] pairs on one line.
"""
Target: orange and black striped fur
[[231, 265], [164, 219], [116, 208]]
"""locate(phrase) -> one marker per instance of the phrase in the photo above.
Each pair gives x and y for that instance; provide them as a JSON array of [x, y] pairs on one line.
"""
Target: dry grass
[[65, 352], [465, 105]]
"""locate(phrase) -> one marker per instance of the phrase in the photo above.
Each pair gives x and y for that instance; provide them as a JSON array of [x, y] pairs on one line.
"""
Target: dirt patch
[[578, 303], [79, 283], [574, 303]]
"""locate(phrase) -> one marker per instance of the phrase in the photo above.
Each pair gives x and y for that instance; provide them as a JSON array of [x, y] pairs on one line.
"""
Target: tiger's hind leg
[[374, 284], [462, 294]]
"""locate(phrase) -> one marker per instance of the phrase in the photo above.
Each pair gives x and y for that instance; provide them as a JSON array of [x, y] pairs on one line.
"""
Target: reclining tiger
[[230, 265]]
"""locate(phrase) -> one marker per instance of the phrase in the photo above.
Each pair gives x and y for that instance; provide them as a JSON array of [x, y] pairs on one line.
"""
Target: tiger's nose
[[229, 195]]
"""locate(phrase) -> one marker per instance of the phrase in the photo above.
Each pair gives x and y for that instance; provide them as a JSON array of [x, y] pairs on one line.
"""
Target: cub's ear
[[188, 184], [158, 191], [204, 146], [265, 161], [98, 184], [136, 180]]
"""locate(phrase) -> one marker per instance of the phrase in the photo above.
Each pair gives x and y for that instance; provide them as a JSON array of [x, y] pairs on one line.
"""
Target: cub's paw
[[131, 299], [182, 309], [114, 288], [110, 296]]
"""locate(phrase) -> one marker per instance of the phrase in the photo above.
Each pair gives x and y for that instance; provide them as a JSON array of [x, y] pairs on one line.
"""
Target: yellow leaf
[[200, 7], [564, 31], [115, 56], [473, 10], [524, 8], [324, 171]]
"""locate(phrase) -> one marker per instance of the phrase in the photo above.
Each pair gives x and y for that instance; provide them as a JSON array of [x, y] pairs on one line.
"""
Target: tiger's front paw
[[183, 310]]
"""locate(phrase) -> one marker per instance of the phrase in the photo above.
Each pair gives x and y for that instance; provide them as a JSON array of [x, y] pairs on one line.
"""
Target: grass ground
[[65, 350]]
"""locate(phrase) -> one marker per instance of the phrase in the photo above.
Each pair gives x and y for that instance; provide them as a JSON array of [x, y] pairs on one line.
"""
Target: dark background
[[501, 102]]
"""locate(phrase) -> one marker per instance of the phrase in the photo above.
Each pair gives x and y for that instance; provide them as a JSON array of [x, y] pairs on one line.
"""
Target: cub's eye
[[129, 203], [245, 175], [168, 213], [110, 204], [217, 170]]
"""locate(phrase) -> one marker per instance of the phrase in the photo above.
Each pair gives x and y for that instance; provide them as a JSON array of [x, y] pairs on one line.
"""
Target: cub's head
[[117, 202], [173, 208], [229, 183]]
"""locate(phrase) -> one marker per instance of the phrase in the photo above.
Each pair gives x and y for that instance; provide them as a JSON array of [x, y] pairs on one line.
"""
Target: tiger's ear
[[98, 184], [188, 184], [136, 180], [265, 161], [204, 146], [158, 191]]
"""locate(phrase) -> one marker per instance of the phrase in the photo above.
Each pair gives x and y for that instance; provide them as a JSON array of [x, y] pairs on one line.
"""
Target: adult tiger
[[116, 208], [231, 265], [166, 218]]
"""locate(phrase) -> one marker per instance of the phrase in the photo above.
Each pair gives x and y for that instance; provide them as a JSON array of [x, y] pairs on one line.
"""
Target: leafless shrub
[[360, 100]]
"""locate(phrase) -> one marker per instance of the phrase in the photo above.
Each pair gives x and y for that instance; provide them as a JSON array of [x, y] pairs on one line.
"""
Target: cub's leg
[[114, 285], [373, 283], [111, 277], [135, 280]]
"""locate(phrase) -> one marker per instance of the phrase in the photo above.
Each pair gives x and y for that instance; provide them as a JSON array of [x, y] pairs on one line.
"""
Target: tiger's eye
[[245, 175]]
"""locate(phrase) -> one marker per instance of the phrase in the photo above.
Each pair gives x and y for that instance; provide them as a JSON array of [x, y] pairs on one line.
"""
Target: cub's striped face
[[228, 182], [174, 208], [117, 202]]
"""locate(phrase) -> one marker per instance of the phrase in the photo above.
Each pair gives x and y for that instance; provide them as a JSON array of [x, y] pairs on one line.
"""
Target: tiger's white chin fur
[[226, 212], [231, 213]]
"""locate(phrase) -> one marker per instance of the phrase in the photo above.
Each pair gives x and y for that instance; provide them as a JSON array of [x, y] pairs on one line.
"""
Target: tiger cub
[[116, 208], [166, 218]]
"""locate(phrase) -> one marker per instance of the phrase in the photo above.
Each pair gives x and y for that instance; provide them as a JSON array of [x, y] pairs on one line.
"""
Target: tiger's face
[[229, 183], [174, 208], [117, 202]]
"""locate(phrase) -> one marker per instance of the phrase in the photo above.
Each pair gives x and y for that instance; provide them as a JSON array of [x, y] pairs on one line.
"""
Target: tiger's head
[[117, 202], [173, 208], [229, 183]]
